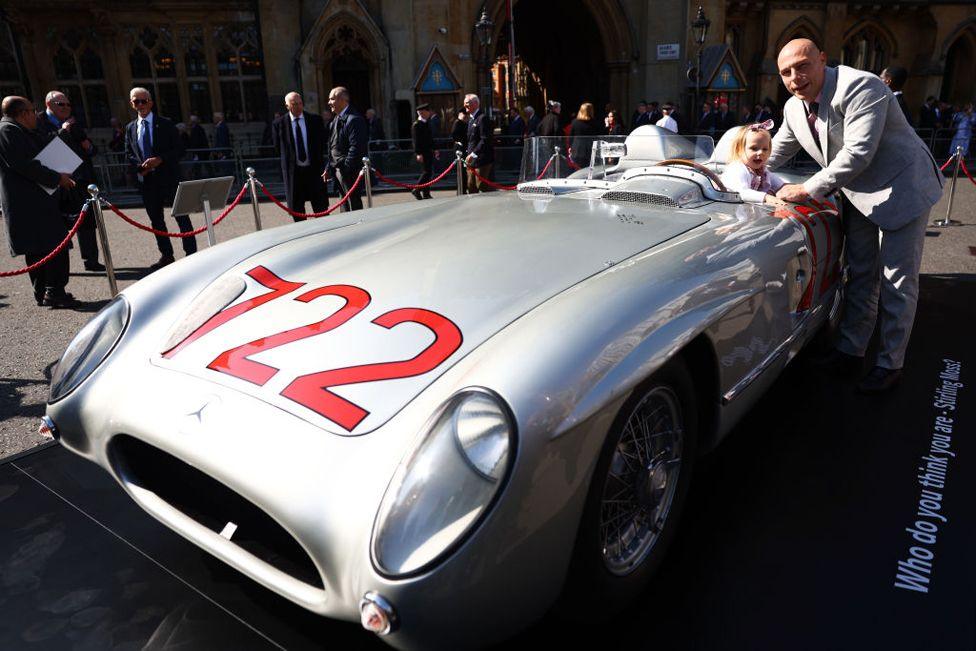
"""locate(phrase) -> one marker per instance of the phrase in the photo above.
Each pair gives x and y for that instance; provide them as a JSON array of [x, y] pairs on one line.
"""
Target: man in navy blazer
[[348, 137], [299, 138], [154, 149]]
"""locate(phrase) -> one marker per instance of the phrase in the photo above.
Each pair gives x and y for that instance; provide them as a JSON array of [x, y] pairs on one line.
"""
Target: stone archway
[[958, 82], [589, 45], [345, 47]]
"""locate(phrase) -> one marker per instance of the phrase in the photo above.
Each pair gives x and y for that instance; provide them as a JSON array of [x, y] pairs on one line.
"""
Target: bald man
[[299, 137], [31, 215], [848, 121]]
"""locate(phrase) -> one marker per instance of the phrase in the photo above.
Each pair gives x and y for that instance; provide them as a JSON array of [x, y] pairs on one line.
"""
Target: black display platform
[[792, 536]]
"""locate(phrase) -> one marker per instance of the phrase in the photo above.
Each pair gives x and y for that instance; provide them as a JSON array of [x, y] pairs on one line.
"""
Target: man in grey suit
[[849, 123]]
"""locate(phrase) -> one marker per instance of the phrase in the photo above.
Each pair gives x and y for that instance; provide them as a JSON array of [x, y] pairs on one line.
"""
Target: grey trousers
[[883, 284]]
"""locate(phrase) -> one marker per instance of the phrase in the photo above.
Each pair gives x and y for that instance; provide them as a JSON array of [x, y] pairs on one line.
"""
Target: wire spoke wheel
[[642, 481]]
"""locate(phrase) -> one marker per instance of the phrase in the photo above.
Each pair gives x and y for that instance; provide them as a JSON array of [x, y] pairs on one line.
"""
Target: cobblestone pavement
[[34, 337]]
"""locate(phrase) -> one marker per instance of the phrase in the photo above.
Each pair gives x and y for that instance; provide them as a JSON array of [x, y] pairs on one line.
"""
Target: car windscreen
[[603, 157]]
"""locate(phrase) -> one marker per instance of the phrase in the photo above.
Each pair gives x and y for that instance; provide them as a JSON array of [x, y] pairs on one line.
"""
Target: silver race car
[[438, 418]]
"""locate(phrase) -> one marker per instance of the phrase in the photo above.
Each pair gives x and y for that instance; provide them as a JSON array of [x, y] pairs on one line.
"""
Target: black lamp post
[[484, 28], [700, 29]]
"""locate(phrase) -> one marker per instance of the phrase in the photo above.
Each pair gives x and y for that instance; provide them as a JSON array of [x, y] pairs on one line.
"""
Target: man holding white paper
[[31, 216]]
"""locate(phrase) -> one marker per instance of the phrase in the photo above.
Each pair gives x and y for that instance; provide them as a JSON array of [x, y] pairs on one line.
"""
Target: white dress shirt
[[304, 124], [669, 123], [143, 124]]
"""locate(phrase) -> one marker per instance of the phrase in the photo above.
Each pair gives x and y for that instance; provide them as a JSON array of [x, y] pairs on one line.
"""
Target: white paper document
[[58, 157]]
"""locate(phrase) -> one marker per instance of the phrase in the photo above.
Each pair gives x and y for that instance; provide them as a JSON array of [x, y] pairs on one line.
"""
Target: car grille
[[536, 189], [646, 198], [211, 504]]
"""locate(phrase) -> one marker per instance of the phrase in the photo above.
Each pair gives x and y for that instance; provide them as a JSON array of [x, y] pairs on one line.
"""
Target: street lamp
[[700, 30], [484, 28]]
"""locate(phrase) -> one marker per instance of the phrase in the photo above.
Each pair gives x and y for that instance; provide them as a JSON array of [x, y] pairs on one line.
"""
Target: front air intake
[[211, 504], [645, 198]]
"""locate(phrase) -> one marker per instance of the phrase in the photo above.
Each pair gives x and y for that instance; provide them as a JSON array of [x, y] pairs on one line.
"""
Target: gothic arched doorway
[[353, 72], [958, 81], [580, 52], [345, 47]]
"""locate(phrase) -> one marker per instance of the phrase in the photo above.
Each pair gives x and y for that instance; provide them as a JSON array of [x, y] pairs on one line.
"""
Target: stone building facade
[[242, 56]]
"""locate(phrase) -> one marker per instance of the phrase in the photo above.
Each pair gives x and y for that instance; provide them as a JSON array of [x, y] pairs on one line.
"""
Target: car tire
[[606, 571]]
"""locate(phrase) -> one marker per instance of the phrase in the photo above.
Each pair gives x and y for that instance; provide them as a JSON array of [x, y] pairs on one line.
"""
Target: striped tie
[[812, 121]]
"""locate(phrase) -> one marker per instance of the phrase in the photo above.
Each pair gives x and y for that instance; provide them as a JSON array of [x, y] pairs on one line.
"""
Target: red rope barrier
[[946, 164], [58, 249], [148, 229], [328, 211], [573, 164], [545, 169], [418, 186], [966, 170], [488, 182]]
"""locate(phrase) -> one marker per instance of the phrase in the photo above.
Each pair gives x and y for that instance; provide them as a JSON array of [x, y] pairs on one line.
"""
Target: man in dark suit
[[480, 154], [549, 127], [708, 119], [375, 125], [31, 215], [154, 150], [929, 117], [56, 121], [299, 138], [423, 149], [348, 137], [654, 113], [895, 78], [222, 140], [531, 122], [725, 119]]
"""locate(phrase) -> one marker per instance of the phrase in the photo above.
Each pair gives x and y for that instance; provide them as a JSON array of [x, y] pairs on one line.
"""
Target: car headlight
[[441, 490], [89, 348]]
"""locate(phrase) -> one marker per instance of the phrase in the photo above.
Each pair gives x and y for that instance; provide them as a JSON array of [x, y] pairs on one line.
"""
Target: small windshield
[[607, 157]]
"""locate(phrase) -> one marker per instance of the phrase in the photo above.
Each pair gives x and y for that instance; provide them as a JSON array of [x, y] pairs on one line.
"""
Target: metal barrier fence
[[395, 158]]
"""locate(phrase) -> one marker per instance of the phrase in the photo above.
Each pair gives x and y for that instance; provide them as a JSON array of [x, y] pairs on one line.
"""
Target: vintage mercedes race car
[[438, 417]]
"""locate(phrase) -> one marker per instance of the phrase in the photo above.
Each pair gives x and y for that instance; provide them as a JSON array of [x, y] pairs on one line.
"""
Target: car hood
[[377, 310]]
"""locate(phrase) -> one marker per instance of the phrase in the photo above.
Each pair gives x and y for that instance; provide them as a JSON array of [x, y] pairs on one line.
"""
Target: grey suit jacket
[[868, 150]]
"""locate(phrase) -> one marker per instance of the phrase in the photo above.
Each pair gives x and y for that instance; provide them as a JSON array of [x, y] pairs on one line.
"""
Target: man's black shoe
[[835, 361], [416, 194], [879, 380], [162, 262], [94, 265], [59, 298]]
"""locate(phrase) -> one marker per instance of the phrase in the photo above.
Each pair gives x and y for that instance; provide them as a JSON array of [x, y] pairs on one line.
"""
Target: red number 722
[[313, 390]]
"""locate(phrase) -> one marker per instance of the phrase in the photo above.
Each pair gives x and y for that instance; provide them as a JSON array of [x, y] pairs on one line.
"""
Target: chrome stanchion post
[[368, 182], [948, 221], [96, 207], [253, 183], [460, 172], [557, 152], [208, 220]]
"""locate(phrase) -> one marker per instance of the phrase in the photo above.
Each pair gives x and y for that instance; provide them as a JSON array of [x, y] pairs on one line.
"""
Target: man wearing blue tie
[[154, 150]]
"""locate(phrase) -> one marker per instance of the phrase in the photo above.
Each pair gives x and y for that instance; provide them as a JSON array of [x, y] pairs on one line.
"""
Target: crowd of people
[[318, 150]]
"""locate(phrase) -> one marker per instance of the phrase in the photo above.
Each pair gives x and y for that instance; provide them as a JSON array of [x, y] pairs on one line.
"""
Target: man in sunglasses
[[56, 121], [31, 215], [154, 150]]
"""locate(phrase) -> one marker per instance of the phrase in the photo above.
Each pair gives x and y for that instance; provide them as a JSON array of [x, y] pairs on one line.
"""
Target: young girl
[[746, 171]]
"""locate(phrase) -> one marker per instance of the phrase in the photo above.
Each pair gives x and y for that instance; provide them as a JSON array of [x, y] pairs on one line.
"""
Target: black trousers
[[344, 181], [427, 174], [53, 275], [309, 187], [154, 198]]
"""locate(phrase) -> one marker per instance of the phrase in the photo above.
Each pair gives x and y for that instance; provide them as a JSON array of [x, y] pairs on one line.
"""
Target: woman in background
[[581, 133], [963, 122]]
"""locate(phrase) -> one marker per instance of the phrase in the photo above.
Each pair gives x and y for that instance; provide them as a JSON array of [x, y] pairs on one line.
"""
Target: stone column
[[281, 39]]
